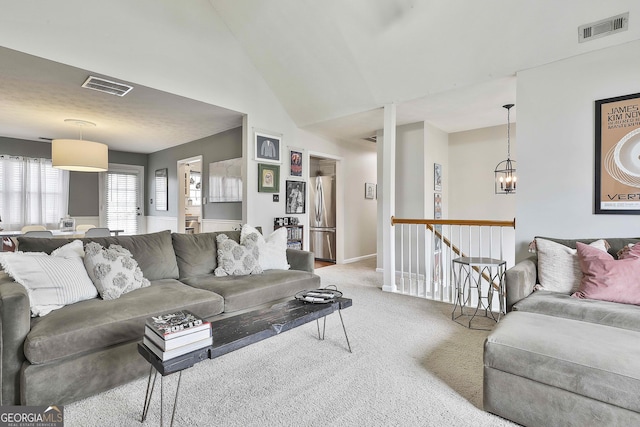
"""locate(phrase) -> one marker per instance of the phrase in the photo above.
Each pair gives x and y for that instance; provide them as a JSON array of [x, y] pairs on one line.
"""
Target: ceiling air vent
[[603, 28], [373, 139], [106, 86]]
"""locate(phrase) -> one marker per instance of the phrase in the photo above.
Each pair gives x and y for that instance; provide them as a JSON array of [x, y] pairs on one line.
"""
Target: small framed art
[[295, 162], [267, 146], [296, 197], [268, 178], [437, 177]]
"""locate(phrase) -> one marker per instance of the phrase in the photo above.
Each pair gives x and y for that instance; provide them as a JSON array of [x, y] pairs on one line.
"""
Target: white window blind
[[122, 201], [32, 191]]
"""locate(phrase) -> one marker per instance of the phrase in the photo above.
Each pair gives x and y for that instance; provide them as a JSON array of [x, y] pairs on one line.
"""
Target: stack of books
[[174, 334]]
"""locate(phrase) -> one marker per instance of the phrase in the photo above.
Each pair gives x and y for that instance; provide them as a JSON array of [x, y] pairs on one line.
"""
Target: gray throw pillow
[[113, 271], [235, 259]]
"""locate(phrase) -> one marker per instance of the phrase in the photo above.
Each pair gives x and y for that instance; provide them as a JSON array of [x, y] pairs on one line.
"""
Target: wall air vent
[[603, 28], [107, 86], [373, 139]]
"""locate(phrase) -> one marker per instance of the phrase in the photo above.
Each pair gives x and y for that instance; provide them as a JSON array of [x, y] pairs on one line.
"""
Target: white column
[[388, 152]]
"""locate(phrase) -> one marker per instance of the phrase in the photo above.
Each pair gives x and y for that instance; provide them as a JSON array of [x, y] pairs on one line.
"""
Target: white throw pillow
[[73, 249], [559, 267], [113, 271], [273, 249], [51, 281]]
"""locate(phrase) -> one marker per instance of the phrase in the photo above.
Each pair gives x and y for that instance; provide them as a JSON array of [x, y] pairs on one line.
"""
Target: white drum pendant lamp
[[78, 154]]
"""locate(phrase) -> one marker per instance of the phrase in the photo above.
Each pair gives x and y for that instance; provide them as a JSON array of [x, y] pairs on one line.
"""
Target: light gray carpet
[[411, 366]]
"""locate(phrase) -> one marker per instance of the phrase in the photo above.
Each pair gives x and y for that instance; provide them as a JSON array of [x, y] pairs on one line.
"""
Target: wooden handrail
[[471, 222], [429, 224]]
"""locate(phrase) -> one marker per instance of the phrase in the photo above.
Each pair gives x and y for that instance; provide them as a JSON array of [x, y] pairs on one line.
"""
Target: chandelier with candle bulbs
[[505, 172]]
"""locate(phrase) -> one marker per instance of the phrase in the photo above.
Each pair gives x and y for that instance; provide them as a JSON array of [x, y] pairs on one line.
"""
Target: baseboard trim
[[359, 258]]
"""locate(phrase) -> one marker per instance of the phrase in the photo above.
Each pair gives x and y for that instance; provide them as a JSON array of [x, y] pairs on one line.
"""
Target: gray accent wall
[[223, 146]]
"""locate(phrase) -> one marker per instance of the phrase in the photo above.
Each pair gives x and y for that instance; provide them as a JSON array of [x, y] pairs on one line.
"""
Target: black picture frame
[[296, 201], [617, 164]]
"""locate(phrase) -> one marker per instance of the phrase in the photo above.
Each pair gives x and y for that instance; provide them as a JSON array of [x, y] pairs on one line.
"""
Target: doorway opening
[[190, 195], [322, 213]]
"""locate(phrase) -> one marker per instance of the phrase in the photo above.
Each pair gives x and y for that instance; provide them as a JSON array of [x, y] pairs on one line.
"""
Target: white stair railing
[[425, 249]]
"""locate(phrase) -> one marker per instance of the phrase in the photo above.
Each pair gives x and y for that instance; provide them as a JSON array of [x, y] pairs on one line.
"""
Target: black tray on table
[[319, 296]]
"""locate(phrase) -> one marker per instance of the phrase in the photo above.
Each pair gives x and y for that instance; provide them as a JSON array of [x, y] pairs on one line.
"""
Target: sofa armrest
[[15, 323], [300, 260], [520, 280]]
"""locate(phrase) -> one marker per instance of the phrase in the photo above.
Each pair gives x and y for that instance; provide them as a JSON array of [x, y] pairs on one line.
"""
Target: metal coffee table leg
[[148, 394], [345, 330]]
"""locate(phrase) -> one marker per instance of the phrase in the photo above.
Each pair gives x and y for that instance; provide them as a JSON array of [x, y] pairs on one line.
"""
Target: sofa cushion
[[197, 254], [624, 316], [596, 361], [240, 292], [97, 324], [153, 252]]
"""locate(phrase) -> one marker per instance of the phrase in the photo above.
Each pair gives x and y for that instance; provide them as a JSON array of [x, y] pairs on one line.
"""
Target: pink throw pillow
[[608, 279]]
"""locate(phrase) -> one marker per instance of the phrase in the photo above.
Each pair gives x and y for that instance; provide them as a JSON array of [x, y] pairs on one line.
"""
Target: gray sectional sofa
[[88, 347], [555, 360]]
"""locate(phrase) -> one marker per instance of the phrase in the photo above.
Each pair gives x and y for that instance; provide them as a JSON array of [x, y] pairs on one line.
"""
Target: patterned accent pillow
[[113, 271], [235, 259], [273, 249], [52, 281]]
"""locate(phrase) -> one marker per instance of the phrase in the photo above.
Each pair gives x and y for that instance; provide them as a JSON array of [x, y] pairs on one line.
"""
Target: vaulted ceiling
[[453, 63], [333, 64]]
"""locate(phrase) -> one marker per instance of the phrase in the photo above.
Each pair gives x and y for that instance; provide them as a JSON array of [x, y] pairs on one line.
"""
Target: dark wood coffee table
[[233, 333]]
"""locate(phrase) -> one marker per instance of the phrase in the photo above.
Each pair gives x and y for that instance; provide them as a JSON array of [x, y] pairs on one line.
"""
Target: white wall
[[410, 171], [187, 51], [556, 144], [360, 215], [473, 156]]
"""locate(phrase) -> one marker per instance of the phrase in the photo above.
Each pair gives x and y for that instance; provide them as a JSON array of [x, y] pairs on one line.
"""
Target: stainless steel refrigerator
[[323, 217]]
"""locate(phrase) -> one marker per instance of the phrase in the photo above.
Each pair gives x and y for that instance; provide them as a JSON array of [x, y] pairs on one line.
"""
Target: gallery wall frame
[[296, 156], [268, 146], [437, 177], [268, 178], [617, 155], [296, 192], [437, 205]]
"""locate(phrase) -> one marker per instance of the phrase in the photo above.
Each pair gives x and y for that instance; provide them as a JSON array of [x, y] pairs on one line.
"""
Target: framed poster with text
[[617, 156]]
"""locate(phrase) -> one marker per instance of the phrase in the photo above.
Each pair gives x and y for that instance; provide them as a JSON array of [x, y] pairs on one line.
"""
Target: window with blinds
[[32, 191], [122, 198]]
